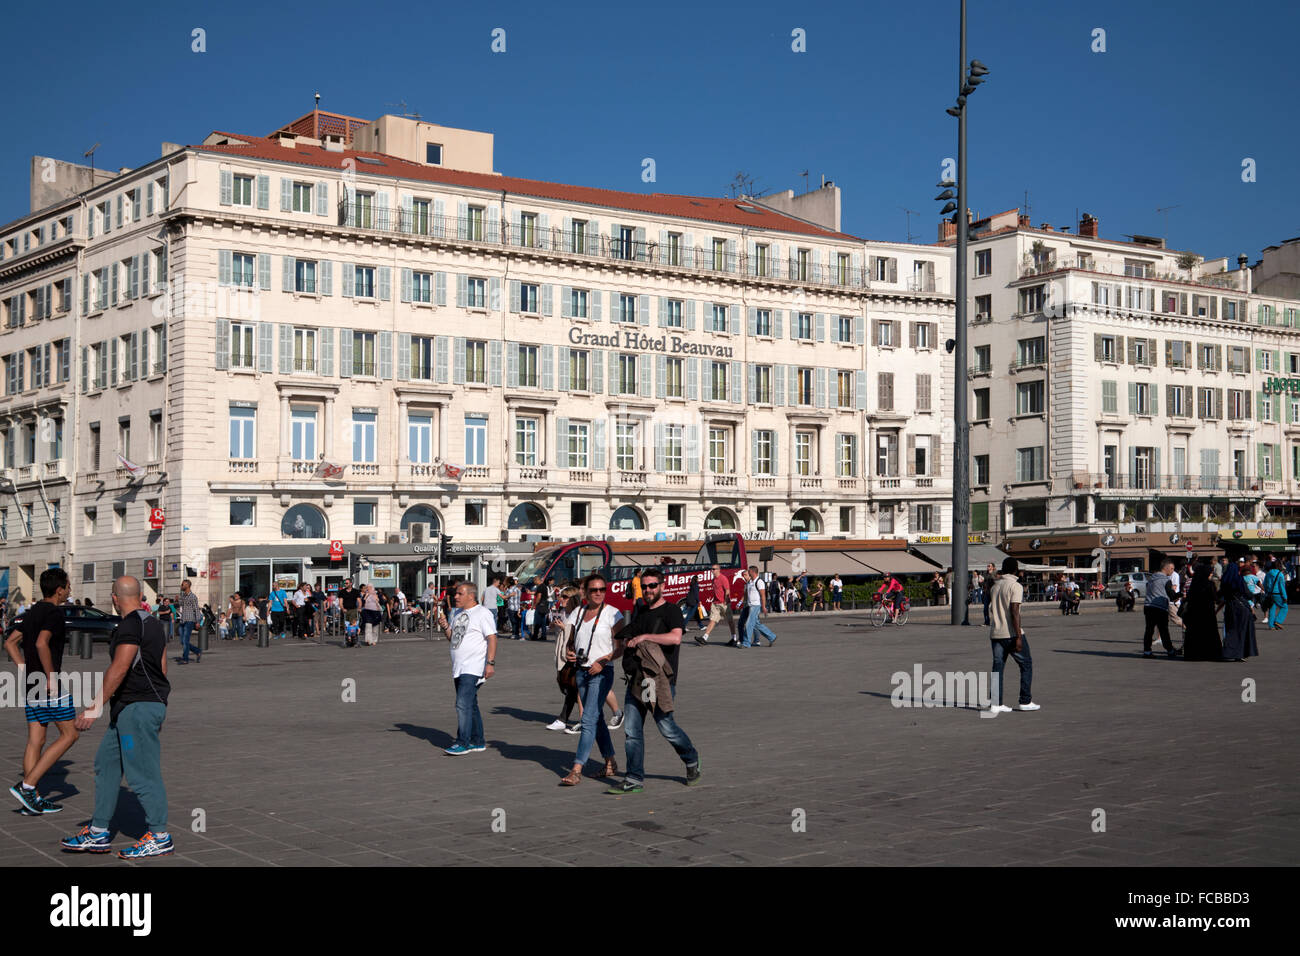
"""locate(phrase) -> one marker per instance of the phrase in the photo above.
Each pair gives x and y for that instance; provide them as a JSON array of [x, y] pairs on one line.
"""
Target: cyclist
[[890, 593]]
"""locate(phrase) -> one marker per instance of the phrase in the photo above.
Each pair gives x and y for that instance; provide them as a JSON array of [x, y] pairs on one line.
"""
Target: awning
[[893, 562], [977, 555], [850, 563], [1060, 569]]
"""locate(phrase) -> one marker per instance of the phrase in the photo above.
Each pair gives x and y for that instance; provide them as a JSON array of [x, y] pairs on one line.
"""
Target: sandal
[[572, 780], [610, 769]]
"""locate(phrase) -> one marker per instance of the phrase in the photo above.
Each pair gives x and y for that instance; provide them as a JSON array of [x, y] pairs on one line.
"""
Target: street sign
[[336, 550], [1189, 547]]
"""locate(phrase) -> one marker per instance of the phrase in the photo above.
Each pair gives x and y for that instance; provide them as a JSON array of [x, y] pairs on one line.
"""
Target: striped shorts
[[53, 711]]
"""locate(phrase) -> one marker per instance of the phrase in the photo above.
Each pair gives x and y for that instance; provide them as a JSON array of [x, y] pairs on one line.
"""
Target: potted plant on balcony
[[1099, 484]]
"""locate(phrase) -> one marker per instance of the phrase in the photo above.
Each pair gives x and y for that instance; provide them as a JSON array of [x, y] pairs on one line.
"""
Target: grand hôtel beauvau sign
[[627, 340]]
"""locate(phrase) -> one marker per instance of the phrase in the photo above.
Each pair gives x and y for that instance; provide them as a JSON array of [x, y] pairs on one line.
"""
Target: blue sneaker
[[475, 748], [148, 845], [87, 842], [30, 799], [455, 750]]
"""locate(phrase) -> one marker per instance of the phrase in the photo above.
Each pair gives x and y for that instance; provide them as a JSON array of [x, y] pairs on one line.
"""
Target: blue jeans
[[634, 720], [515, 622], [1002, 650], [186, 630], [237, 622], [987, 599], [469, 722], [753, 625], [592, 691]]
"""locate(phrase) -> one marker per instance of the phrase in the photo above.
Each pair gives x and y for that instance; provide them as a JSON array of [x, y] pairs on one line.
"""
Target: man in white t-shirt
[[299, 613], [491, 595], [472, 631], [754, 595]]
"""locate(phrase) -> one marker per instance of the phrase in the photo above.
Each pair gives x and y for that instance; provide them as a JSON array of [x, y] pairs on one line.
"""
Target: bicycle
[[881, 613]]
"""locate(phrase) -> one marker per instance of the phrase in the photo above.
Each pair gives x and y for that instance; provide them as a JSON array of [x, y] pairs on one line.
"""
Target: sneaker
[[616, 721], [693, 774], [30, 799], [701, 640], [770, 641], [573, 728], [87, 842], [148, 845], [556, 724], [999, 709], [48, 806], [733, 643], [1030, 706], [627, 786], [476, 748], [1176, 652], [455, 750], [1147, 654]]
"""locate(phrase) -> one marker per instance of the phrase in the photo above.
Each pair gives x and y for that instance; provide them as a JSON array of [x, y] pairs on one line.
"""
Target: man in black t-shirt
[[350, 600], [137, 689], [658, 622], [41, 639]]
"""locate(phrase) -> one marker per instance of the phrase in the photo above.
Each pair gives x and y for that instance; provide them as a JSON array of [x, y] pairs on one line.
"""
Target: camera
[[582, 657]]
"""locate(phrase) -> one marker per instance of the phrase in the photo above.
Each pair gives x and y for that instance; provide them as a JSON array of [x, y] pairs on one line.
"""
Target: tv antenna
[[406, 110], [90, 154], [1164, 211], [910, 214], [804, 174]]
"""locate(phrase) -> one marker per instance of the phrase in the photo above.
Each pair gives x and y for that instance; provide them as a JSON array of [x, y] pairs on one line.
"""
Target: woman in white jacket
[[594, 625]]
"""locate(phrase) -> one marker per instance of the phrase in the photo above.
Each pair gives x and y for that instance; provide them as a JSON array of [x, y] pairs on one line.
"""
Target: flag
[[131, 467], [328, 470], [451, 471]]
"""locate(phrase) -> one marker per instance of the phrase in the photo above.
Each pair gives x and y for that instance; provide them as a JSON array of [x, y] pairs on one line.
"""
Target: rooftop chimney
[[947, 230], [1045, 226], [1088, 226], [1245, 273], [1022, 221]]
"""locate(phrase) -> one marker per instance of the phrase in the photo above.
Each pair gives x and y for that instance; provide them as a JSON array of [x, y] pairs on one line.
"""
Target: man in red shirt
[[721, 609]]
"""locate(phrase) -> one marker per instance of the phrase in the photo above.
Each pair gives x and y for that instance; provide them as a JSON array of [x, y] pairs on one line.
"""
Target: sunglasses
[[650, 584], [595, 590]]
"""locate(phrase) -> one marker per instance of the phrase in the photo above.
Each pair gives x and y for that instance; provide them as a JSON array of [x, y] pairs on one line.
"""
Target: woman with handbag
[[594, 625], [566, 674]]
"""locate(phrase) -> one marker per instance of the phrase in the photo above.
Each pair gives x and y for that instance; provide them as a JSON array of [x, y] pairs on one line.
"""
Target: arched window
[[720, 519], [304, 521], [805, 519], [527, 517], [626, 518], [421, 514]]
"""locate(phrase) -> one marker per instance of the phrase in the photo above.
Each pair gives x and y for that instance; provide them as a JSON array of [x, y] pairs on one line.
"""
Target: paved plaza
[[261, 748]]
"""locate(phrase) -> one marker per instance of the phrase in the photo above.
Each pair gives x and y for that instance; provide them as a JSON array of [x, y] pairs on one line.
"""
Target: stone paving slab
[[289, 774]]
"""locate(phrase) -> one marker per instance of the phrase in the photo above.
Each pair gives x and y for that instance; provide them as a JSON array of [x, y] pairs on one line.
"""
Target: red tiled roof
[[707, 209]]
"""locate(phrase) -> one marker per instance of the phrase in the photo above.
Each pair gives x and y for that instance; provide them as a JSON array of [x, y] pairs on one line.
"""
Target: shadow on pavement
[[438, 738], [528, 716], [918, 702]]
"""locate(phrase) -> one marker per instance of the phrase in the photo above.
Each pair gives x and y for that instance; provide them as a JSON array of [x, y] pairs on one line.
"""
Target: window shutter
[[753, 453], [859, 330], [689, 305], [322, 194], [594, 299], [548, 367], [692, 379], [85, 295], [85, 369], [860, 383], [593, 237], [1132, 398], [643, 308], [225, 266], [133, 278], [407, 281], [1169, 399], [462, 290], [751, 322], [263, 192], [548, 305], [598, 444], [562, 372], [893, 270], [440, 288], [385, 283], [598, 371], [1154, 392], [737, 387], [778, 385], [492, 228], [381, 209], [265, 346], [286, 194], [778, 317], [1098, 352], [345, 353], [566, 302], [441, 360], [819, 386], [326, 352], [659, 447], [820, 322], [494, 363], [661, 376], [751, 379], [561, 443], [692, 450], [494, 295], [133, 360], [1259, 406], [911, 455], [643, 372], [113, 270], [223, 344], [349, 280], [458, 362], [385, 349], [286, 349], [264, 271], [515, 295]]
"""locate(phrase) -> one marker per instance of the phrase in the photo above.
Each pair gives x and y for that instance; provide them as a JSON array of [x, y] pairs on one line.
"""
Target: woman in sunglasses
[[591, 630]]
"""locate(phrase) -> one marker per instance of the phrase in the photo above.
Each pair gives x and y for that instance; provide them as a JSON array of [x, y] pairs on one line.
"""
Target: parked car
[[78, 617], [1116, 584]]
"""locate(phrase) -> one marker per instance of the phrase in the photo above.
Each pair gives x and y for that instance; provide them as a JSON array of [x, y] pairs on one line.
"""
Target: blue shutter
[[407, 277], [263, 192], [286, 194], [516, 295], [566, 300], [597, 371], [325, 281], [223, 344], [690, 315], [385, 349], [661, 376], [322, 199], [265, 347], [345, 353], [286, 273], [462, 290], [860, 380], [643, 307], [458, 362], [385, 283], [441, 359], [548, 367], [264, 271], [734, 312], [736, 386], [225, 266], [440, 288], [777, 317], [349, 279], [859, 330], [820, 322], [548, 292], [286, 349], [327, 352], [494, 363], [751, 377]]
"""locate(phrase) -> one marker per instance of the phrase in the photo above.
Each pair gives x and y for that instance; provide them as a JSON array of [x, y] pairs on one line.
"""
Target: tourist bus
[[618, 561]]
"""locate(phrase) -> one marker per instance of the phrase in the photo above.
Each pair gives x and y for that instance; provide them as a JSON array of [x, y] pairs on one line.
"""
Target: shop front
[[1117, 552], [1266, 542]]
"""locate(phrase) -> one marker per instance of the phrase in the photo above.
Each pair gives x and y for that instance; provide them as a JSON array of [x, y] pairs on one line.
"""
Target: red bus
[[570, 563]]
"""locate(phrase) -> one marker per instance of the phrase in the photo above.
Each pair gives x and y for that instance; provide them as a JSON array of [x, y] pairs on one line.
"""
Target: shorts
[[53, 711], [720, 612], [352, 616]]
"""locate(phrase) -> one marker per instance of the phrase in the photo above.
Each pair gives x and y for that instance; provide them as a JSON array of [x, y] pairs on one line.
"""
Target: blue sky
[[1184, 92]]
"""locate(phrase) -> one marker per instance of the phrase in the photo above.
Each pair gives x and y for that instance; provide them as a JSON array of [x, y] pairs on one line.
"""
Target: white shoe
[[1029, 706], [556, 724], [999, 709]]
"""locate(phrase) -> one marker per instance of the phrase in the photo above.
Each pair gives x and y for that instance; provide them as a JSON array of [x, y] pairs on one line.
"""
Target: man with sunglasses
[[472, 631], [659, 622]]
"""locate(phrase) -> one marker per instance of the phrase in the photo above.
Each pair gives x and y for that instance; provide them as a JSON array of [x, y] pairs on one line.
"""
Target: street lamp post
[[968, 78]]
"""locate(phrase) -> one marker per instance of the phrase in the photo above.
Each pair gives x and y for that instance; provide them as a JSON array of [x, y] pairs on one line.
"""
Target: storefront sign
[[627, 341], [977, 537], [1276, 386], [336, 550], [156, 519]]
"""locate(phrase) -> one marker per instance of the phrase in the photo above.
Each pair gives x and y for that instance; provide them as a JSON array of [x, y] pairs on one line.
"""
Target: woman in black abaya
[[1238, 618], [1201, 618]]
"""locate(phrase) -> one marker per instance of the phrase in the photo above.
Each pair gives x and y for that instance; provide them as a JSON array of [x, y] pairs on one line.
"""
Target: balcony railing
[[243, 466], [475, 471], [579, 477], [985, 369], [54, 469], [723, 481], [583, 243], [304, 365], [675, 480], [763, 483], [1191, 483], [631, 477], [364, 468]]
